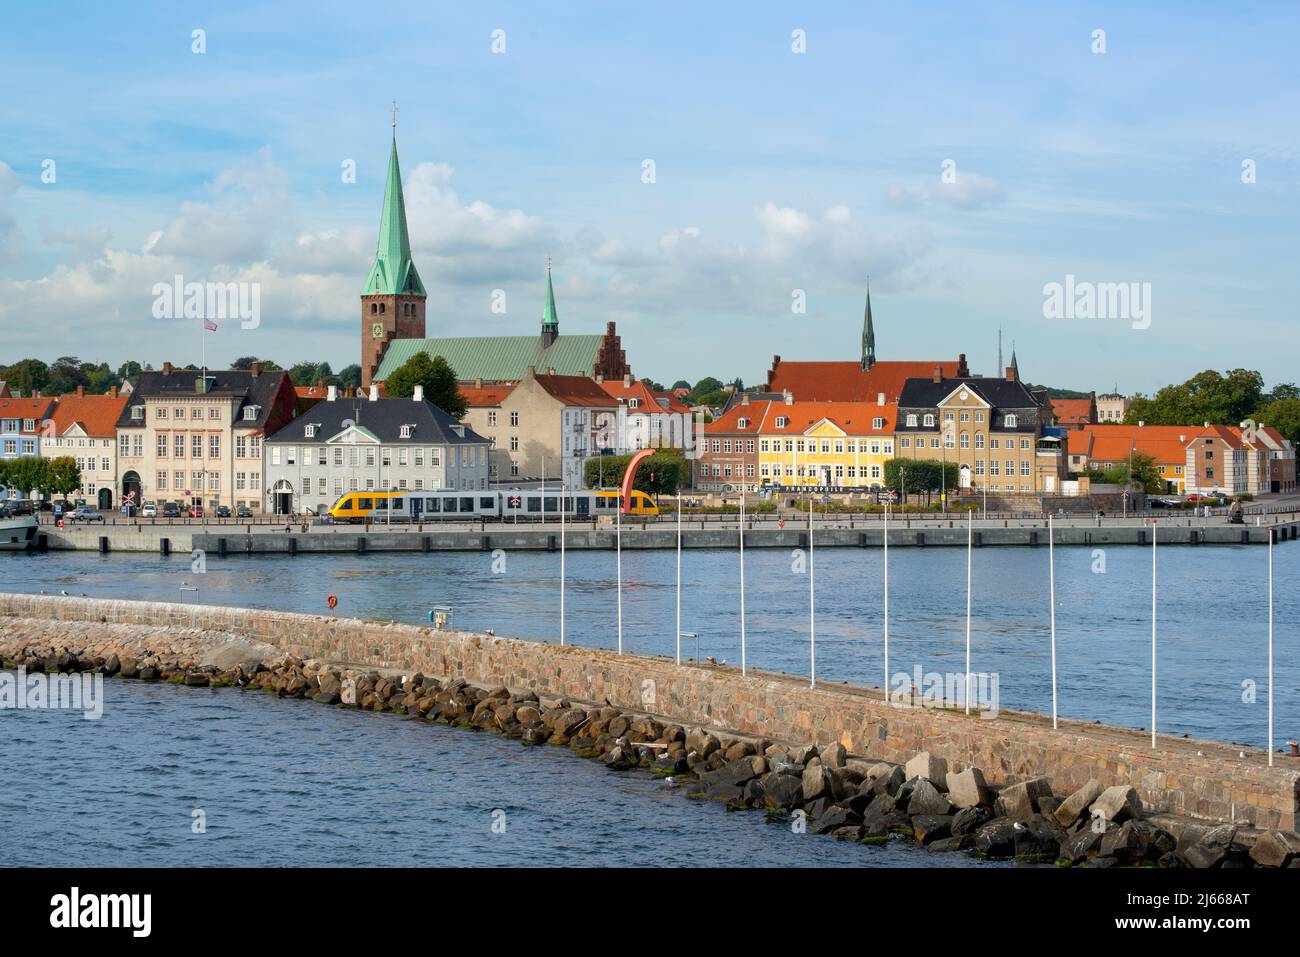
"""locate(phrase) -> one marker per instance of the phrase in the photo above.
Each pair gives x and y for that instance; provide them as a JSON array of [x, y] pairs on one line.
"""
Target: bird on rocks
[[64, 591]]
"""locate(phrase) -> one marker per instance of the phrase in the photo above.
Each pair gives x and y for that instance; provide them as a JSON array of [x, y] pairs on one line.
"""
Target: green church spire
[[868, 334], [550, 319], [393, 273]]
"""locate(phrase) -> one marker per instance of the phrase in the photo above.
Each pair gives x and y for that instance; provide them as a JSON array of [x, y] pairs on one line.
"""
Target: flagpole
[[885, 686], [1051, 566], [812, 603], [679, 576], [562, 507], [970, 538], [1270, 647], [1153, 634], [742, 580], [618, 546]]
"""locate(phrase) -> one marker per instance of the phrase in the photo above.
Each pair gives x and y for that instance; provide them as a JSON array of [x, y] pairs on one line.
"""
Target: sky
[[962, 156]]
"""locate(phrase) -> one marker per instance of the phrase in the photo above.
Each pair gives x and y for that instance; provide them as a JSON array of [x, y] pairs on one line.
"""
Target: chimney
[[1141, 423], [167, 368], [333, 393], [255, 369], [532, 372], [1011, 373], [478, 383], [789, 397], [937, 375], [81, 390], [963, 371], [744, 398], [599, 378], [418, 394], [112, 391], [627, 378], [1207, 423], [374, 392], [880, 398]]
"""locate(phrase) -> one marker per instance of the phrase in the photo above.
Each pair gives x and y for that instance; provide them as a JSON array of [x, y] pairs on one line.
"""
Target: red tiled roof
[[848, 381], [639, 390], [487, 395], [576, 390], [26, 408]]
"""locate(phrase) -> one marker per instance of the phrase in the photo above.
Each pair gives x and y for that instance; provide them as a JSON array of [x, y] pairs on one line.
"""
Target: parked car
[[223, 511], [84, 513], [195, 511], [171, 510], [243, 511], [150, 510]]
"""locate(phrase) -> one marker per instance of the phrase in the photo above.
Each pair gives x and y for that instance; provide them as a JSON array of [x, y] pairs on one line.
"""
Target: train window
[[534, 503], [363, 503], [431, 505], [486, 502], [552, 504], [381, 504], [398, 505], [449, 505], [467, 504]]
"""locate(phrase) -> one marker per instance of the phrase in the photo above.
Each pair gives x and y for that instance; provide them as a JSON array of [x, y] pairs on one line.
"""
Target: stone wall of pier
[[1185, 777]]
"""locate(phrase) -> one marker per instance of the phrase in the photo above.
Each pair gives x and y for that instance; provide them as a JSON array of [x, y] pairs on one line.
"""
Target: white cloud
[[10, 237], [968, 191]]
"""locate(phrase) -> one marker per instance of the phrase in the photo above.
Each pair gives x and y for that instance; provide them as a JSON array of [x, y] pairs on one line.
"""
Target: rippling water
[[1212, 614], [285, 782]]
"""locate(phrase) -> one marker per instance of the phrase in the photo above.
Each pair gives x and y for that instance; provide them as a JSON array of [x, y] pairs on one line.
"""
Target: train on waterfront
[[517, 504]]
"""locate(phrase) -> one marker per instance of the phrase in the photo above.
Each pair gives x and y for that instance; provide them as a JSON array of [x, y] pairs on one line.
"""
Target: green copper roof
[[498, 358], [549, 317], [868, 335], [393, 272]]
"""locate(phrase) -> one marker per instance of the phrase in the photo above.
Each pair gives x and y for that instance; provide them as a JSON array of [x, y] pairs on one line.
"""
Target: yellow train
[[523, 504]]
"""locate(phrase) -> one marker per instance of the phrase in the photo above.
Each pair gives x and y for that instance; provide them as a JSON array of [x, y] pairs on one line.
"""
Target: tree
[[350, 377], [128, 369], [1206, 397], [28, 474], [438, 379], [1144, 472], [246, 362], [310, 373], [652, 385], [660, 474], [922, 476], [63, 477], [681, 384], [27, 376], [1283, 390], [704, 387], [1283, 415]]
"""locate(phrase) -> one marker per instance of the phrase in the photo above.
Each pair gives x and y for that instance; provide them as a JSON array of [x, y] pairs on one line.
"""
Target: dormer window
[[251, 412], [929, 421], [781, 421], [911, 420], [878, 423], [635, 403], [742, 423], [137, 413], [406, 431], [309, 431], [1010, 421]]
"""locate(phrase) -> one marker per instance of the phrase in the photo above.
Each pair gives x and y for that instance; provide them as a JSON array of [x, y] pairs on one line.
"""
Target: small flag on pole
[[209, 325]]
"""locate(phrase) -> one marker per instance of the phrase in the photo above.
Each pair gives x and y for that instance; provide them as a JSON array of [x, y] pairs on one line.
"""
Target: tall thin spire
[[550, 318], [1014, 364], [393, 272], [868, 333]]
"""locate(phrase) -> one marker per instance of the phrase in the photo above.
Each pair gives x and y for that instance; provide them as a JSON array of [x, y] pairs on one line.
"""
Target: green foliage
[[922, 476], [1206, 397], [31, 473], [660, 474], [62, 475], [310, 373], [350, 377], [438, 379]]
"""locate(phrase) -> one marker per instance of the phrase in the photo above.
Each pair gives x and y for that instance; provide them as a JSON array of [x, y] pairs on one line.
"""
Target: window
[[196, 446], [934, 443], [514, 418], [492, 418], [514, 443], [250, 413], [726, 445], [403, 456], [839, 445], [740, 423], [178, 413], [162, 414], [405, 432], [196, 413], [878, 422], [419, 458], [240, 479], [911, 420], [762, 445], [137, 445], [1010, 421], [947, 416], [321, 455], [338, 457], [137, 413], [928, 421], [979, 416], [965, 416], [798, 445], [1011, 467], [965, 440], [162, 447], [1024, 466], [241, 447], [904, 443], [309, 431], [214, 413], [178, 481], [780, 422], [123, 443], [993, 467], [993, 443], [979, 440], [749, 445], [161, 482], [214, 446]]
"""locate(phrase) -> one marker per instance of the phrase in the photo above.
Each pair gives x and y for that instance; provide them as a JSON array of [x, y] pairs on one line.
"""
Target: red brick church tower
[[393, 299]]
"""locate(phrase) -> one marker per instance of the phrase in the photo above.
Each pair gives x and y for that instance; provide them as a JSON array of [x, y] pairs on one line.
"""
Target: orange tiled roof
[[639, 390], [755, 415], [848, 381], [96, 414], [1072, 411], [25, 408], [486, 395], [855, 418]]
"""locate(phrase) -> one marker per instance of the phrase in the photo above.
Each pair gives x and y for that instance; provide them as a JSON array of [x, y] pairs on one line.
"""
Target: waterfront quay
[[662, 533]]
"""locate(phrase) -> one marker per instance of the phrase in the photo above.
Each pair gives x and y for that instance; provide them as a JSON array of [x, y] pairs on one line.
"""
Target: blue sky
[[775, 172]]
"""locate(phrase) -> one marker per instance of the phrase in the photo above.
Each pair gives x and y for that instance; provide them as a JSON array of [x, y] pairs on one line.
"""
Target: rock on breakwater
[[824, 789]]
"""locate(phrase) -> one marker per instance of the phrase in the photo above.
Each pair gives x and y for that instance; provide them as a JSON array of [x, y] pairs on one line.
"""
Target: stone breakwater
[[1202, 780], [824, 789]]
